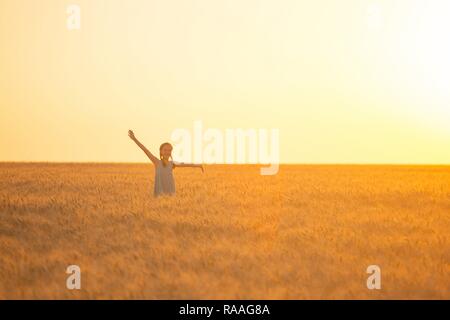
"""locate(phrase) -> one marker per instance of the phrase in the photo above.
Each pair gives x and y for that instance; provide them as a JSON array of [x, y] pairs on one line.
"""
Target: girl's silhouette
[[164, 182]]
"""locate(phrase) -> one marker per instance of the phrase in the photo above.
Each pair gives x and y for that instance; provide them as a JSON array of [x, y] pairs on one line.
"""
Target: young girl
[[164, 182]]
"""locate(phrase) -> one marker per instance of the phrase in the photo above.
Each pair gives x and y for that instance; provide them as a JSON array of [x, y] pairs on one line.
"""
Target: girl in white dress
[[164, 182]]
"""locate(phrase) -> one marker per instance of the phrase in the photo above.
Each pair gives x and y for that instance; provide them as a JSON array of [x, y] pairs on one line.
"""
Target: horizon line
[[240, 164]]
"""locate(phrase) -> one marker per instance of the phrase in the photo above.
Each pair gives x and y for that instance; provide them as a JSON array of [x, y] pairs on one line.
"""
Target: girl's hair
[[160, 149]]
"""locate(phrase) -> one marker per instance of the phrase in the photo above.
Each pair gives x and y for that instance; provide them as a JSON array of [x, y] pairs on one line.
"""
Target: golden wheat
[[307, 232]]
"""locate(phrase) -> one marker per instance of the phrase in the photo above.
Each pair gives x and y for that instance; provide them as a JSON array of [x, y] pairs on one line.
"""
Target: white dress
[[164, 182]]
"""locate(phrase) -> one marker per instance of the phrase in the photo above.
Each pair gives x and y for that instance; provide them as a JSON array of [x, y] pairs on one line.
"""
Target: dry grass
[[308, 232]]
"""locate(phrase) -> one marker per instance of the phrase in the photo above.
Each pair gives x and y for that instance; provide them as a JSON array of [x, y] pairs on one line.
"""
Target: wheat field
[[309, 232]]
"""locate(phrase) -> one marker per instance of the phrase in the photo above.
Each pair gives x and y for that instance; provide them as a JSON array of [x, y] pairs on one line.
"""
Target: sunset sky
[[351, 81]]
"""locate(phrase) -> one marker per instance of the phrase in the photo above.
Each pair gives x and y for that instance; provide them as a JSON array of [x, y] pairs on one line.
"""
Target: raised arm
[[191, 165], [140, 145]]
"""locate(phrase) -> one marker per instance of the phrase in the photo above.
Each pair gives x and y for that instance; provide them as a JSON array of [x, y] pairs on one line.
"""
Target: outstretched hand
[[131, 134]]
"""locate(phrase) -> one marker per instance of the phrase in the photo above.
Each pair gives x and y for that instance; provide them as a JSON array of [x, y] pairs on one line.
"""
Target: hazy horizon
[[233, 164]]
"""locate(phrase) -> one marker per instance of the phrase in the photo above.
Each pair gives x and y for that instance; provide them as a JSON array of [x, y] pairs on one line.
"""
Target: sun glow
[[344, 82], [427, 53]]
